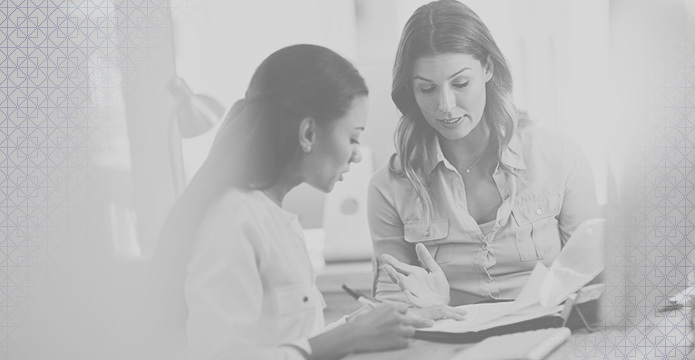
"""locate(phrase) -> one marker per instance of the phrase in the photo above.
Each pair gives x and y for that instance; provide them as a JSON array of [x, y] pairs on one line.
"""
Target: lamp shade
[[195, 113]]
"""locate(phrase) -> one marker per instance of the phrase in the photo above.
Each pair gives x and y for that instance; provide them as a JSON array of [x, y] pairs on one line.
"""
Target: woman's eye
[[427, 89], [460, 85]]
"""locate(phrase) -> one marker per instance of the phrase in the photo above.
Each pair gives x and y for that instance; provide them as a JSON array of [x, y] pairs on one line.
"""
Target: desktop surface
[[660, 335]]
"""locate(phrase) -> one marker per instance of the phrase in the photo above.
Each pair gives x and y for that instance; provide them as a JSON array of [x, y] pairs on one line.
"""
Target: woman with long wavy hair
[[475, 192]]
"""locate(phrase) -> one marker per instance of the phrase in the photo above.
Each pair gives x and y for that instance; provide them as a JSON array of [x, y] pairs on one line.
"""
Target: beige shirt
[[250, 284], [551, 192]]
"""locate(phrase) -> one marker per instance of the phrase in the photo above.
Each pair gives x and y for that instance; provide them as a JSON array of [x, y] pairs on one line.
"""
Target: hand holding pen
[[361, 298], [413, 318]]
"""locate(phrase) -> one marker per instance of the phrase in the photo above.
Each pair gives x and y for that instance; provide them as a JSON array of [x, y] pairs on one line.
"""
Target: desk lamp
[[194, 115]]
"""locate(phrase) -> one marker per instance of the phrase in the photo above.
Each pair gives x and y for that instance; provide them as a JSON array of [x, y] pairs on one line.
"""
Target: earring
[[307, 148]]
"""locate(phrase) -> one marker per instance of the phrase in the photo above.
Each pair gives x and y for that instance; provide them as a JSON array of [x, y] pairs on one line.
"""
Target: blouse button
[[484, 246], [539, 211], [305, 299], [501, 222], [427, 233], [506, 196]]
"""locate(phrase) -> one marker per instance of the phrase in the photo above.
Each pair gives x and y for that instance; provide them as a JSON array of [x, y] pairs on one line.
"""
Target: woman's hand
[[439, 312], [423, 288], [386, 327]]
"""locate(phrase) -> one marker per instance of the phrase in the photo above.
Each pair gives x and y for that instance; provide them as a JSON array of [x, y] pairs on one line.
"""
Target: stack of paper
[[577, 264], [485, 316]]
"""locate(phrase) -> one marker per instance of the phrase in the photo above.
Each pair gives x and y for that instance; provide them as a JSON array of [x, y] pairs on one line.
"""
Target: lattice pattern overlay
[[64, 67], [650, 247]]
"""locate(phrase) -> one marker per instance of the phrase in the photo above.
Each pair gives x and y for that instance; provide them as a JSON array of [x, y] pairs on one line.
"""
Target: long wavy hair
[[255, 142], [442, 27]]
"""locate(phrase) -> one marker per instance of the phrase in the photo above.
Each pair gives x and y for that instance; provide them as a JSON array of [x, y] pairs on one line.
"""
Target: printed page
[[476, 314], [483, 316], [482, 323]]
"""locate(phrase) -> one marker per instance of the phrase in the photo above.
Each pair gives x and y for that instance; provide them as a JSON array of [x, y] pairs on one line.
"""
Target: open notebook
[[539, 303], [485, 316]]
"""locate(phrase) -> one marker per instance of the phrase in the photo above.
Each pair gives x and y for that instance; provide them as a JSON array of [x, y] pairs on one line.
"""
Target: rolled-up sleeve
[[579, 202], [387, 236]]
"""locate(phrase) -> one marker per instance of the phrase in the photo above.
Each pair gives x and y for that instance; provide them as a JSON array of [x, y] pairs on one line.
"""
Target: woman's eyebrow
[[449, 78]]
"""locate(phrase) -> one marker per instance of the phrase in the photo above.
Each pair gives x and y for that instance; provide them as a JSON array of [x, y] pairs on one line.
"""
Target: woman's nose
[[356, 155], [446, 100]]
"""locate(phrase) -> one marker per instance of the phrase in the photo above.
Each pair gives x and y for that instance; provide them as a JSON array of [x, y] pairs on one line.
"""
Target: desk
[[659, 335]]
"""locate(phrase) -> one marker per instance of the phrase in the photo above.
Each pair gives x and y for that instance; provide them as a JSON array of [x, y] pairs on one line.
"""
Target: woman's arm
[[224, 293], [386, 228], [385, 327], [579, 202]]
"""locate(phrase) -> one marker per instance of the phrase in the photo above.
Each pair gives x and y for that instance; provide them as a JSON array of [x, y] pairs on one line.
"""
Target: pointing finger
[[398, 265], [426, 258]]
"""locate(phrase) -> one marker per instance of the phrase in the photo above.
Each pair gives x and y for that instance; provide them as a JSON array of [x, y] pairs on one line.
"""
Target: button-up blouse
[[250, 284], [548, 193]]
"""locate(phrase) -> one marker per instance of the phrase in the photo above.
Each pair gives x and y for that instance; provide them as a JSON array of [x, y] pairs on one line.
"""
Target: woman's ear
[[307, 134], [489, 68]]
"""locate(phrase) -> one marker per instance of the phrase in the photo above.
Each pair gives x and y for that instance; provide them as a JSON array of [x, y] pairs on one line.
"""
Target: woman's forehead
[[355, 117], [443, 66]]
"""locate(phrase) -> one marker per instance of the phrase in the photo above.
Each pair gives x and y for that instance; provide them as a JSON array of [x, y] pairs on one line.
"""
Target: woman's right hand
[[386, 327]]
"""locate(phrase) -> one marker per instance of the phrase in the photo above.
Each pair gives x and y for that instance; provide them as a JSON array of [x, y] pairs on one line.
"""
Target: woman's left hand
[[439, 312], [422, 288]]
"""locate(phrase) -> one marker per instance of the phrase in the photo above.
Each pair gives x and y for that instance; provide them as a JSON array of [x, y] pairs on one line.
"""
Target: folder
[[546, 300], [543, 322], [523, 314], [483, 320]]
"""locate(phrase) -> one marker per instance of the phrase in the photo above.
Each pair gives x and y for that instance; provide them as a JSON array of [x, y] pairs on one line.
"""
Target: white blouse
[[250, 287]]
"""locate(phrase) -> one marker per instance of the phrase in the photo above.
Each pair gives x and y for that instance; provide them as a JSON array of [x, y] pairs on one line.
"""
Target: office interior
[[114, 149]]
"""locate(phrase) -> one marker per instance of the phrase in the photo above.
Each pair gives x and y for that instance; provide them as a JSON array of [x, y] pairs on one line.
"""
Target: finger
[[394, 276], [411, 298], [451, 313], [426, 259], [463, 312], [407, 331], [418, 322], [399, 265], [401, 308], [399, 279]]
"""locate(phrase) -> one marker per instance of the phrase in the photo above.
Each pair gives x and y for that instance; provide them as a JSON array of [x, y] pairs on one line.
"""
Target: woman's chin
[[457, 134]]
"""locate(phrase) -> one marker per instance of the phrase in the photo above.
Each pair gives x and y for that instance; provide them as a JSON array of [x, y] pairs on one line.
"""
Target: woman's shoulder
[[535, 136], [552, 147], [389, 174], [238, 204]]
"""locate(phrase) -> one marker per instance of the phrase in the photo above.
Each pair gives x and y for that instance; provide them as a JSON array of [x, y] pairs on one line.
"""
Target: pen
[[359, 297]]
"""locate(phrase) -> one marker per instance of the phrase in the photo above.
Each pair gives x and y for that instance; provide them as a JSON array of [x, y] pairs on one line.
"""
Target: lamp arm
[[176, 157]]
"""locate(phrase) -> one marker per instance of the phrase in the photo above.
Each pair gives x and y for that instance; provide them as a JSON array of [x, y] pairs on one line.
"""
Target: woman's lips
[[451, 121]]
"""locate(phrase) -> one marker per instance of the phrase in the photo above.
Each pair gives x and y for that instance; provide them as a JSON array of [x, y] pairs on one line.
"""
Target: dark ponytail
[[254, 143]]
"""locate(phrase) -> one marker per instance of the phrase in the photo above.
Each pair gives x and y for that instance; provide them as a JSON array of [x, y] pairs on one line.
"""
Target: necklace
[[468, 169]]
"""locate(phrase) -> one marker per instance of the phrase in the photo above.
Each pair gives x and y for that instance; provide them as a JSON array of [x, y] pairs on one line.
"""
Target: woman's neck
[[282, 186], [462, 152]]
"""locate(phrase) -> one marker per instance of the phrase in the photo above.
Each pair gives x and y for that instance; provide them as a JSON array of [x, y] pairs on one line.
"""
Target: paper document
[[580, 260], [485, 316]]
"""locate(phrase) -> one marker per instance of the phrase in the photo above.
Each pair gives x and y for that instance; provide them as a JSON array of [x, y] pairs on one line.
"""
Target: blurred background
[[109, 107]]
